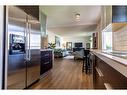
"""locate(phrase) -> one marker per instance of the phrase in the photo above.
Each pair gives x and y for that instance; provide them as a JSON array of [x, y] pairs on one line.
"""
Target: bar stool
[[86, 60], [88, 63]]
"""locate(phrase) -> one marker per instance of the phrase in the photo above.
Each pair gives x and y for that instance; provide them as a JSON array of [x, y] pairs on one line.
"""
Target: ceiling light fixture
[[77, 16]]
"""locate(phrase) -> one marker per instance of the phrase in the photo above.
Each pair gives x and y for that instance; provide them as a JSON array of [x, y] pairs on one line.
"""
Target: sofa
[[77, 49], [78, 53], [60, 53]]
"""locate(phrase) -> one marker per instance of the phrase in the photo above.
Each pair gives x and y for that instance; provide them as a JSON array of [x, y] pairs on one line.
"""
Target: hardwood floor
[[66, 74]]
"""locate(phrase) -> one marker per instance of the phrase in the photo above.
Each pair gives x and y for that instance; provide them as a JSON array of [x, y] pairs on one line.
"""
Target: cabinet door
[[46, 54], [98, 80], [46, 61], [108, 15], [44, 66], [112, 77], [119, 13], [103, 18], [31, 10]]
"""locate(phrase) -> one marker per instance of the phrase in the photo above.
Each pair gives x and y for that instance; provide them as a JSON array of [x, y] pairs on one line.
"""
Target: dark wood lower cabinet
[[46, 61], [106, 77], [98, 81]]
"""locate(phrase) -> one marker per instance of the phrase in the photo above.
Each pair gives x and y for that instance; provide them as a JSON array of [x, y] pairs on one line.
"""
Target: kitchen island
[[46, 60]]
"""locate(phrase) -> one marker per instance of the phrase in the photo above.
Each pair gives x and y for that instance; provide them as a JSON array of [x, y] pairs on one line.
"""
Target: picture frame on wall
[[69, 45], [87, 45]]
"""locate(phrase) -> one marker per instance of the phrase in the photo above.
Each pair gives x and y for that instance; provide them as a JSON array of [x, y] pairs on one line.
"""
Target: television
[[78, 44]]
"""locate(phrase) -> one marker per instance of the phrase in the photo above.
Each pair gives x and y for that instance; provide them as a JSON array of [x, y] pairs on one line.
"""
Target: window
[[107, 40]]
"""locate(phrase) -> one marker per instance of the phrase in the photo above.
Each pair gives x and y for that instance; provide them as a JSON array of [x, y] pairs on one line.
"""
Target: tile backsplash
[[120, 39]]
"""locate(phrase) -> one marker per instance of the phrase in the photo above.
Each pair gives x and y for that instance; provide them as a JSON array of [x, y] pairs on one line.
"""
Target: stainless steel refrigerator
[[23, 53]]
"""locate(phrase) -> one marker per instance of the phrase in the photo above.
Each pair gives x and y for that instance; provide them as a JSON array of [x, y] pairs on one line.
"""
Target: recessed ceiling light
[[77, 17]]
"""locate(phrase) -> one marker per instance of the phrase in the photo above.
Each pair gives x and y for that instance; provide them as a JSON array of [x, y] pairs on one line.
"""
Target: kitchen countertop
[[46, 50], [118, 63], [115, 58]]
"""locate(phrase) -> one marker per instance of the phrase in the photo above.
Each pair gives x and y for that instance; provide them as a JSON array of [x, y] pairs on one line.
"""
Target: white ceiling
[[61, 19]]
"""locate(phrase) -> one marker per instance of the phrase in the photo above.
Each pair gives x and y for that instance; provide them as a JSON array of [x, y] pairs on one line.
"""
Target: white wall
[[51, 38], [1, 44], [84, 40]]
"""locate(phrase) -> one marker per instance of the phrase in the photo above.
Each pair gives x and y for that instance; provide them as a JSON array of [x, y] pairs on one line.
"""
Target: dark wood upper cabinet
[[31, 10], [119, 13]]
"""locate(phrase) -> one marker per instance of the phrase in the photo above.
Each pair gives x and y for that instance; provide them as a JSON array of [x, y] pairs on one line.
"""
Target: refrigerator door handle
[[29, 57], [26, 44]]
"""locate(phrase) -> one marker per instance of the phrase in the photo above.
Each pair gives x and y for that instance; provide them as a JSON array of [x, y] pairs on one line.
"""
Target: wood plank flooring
[[65, 74]]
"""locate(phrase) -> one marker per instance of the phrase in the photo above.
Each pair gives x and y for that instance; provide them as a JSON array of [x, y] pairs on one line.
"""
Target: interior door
[[16, 73], [33, 70]]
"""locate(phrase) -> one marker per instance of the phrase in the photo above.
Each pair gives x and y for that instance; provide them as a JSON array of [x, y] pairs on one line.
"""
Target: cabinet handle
[[99, 72], [107, 86], [46, 63], [46, 54]]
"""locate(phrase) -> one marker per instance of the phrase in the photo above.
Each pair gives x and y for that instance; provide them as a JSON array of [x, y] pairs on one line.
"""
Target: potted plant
[[51, 45]]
